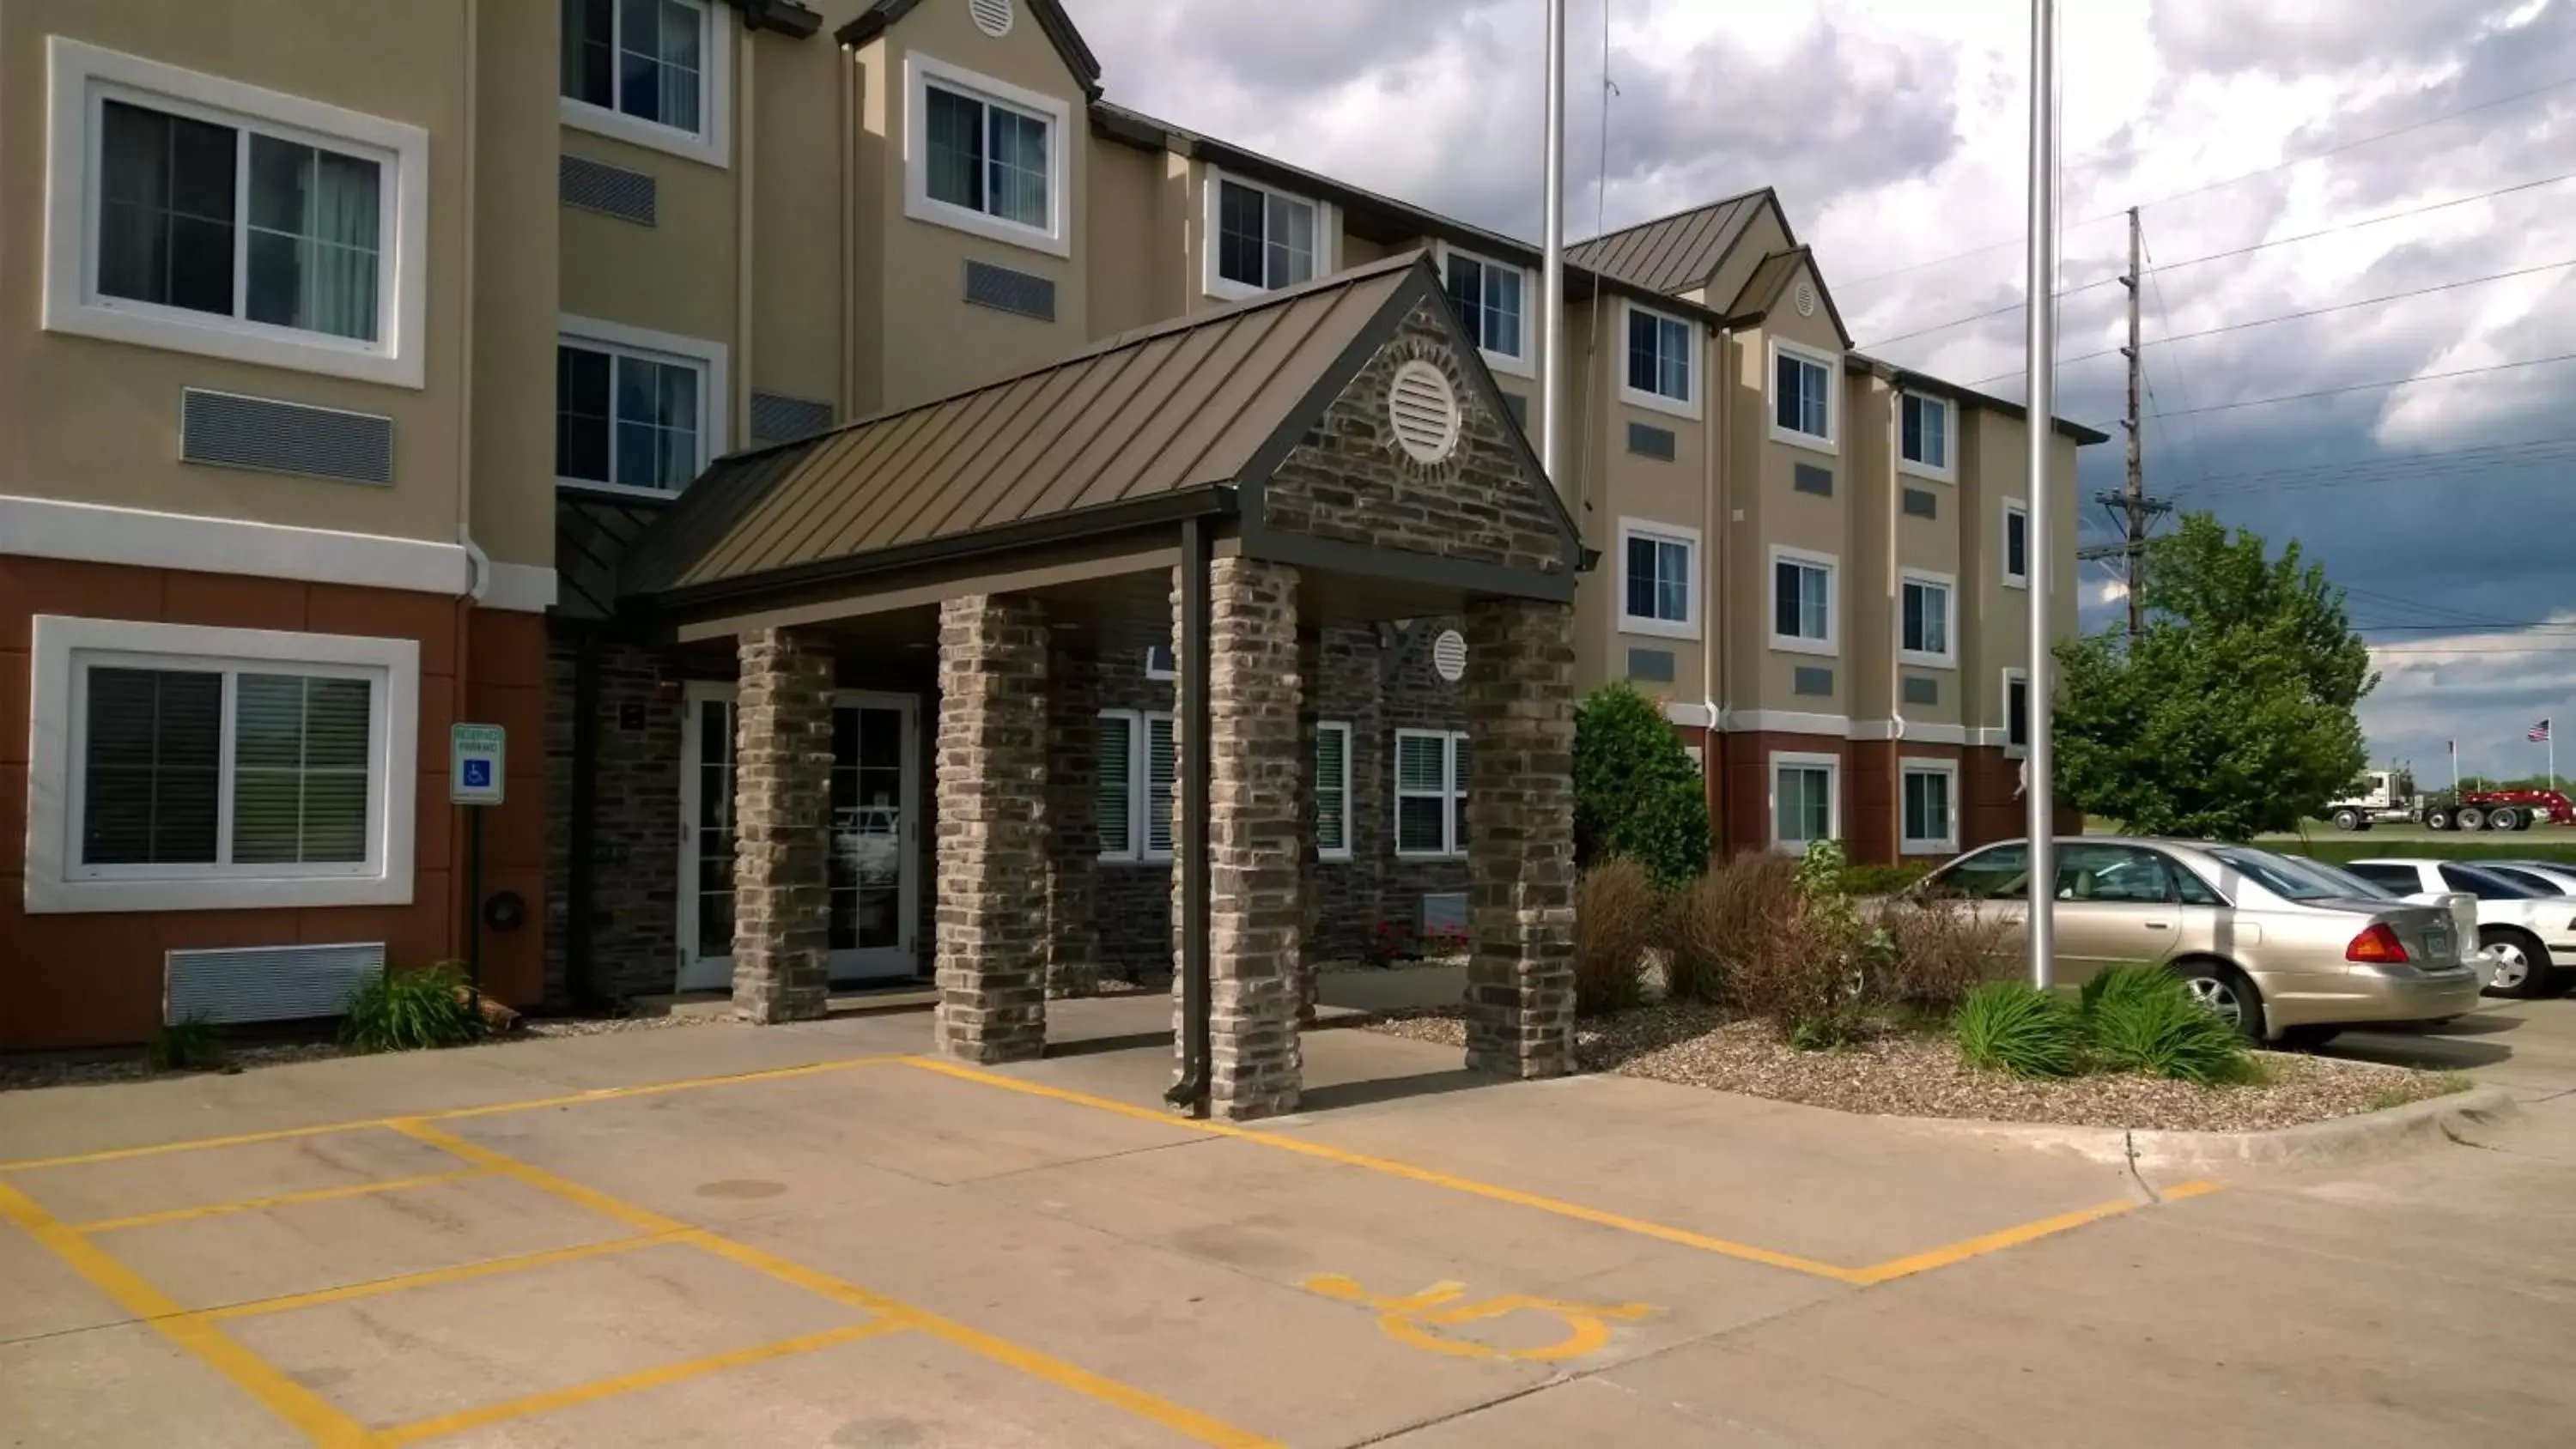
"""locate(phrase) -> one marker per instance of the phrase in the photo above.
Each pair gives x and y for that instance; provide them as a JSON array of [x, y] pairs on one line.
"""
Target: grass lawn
[[2541, 842]]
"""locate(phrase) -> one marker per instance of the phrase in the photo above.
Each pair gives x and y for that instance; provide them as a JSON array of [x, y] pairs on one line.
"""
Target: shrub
[[1636, 794], [1881, 880], [190, 1044], [1615, 909], [2142, 1018], [409, 1010], [2013, 1026], [1717, 922], [1808, 969], [1939, 951]]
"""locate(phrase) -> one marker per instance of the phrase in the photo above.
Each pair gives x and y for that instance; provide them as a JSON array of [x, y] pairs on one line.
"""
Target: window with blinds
[[1137, 766], [1161, 768], [1116, 803], [1333, 789], [1430, 792], [211, 769]]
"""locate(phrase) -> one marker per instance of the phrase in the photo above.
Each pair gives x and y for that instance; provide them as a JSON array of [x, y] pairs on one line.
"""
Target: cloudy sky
[[1894, 131]]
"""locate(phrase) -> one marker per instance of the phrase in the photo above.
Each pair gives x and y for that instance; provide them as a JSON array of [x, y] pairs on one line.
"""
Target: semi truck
[[2389, 797]]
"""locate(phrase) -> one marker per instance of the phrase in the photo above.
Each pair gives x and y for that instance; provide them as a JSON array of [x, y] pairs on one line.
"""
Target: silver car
[[2280, 951]]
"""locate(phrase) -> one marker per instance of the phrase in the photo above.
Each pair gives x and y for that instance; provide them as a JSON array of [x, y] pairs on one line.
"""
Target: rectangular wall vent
[[1442, 913], [266, 983], [1005, 290], [1812, 679], [229, 430], [1922, 503], [1920, 690], [1647, 441], [609, 190], [1652, 665], [1812, 479], [778, 418]]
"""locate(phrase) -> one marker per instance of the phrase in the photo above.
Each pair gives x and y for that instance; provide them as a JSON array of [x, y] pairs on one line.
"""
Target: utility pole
[[2131, 509]]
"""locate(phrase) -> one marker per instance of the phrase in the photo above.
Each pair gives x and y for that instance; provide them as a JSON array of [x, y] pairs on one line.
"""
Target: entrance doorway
[[874, 846]]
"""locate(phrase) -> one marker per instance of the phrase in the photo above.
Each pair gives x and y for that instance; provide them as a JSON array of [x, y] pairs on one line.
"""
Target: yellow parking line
[[434, 1277], [1187, 1422], [569, 1099], [282, 1396], [2013, 1237], [651, 1378], [283, 1199]]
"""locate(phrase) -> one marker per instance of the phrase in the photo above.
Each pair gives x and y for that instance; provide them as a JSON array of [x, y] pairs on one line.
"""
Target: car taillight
[[2377, 946]]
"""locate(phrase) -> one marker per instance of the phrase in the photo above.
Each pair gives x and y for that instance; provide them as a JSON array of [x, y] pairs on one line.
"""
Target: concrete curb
[[2416, 1125]]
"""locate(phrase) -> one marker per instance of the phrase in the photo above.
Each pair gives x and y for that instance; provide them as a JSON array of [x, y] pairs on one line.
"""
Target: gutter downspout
[[739, 405], [1710, 691], [849, 234], [1190, 1093]]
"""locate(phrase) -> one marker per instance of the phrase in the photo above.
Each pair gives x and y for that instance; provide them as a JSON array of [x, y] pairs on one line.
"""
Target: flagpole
[[2041, 929], [1551, 303]]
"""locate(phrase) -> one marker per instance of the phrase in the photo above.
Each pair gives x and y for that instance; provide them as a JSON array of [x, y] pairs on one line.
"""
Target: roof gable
[[1770, 284], [1049, 14], [1673, 254]]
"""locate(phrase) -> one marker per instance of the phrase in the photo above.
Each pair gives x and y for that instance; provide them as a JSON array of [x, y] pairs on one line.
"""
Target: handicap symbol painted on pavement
[[1417, 1319]]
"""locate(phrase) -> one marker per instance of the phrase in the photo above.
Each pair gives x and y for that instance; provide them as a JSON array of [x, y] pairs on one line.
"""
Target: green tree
[[1635, 792], [2232, 713]]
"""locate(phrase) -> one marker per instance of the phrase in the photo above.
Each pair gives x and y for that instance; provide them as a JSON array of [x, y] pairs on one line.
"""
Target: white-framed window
[[656, 73], [1930, 802], [1161, 664], [197, 214], [636, 411], [1492, 302], [1658, 579], [1137, 764], [1333, 789], [2016, 544], [1806, 799], [2016, 704], [178, 767], [1928, 622], [1805, 408], [1661, 367], [1260, 239], [985, 156], [1924, 446], [1430, 792], [1802, 601]]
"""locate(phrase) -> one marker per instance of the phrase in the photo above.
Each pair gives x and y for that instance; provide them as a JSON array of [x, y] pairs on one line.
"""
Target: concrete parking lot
[[812, 1235]]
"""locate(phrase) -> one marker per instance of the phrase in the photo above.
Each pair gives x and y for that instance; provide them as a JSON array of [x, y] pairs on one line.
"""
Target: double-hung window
[[648, 71], [2016, 544], [1333, 790], [1806, 803], [1430, 792], [1802, 601], [1260, 240], [1660, 371], [1802, 395], [985, 157], [216, 767], [1924, 443], [1137, 763], [2016, 711], [198, 214], [1930, 604], [1488, 296], [634, 416], [1657, 567], [1931, 821]]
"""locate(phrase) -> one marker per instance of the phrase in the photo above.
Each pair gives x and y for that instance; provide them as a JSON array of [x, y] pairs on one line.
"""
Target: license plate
[[2437, 940]]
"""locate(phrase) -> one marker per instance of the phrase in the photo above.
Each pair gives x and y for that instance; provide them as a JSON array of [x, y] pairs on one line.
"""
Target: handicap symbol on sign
[[478, 774], [1417, 1319]]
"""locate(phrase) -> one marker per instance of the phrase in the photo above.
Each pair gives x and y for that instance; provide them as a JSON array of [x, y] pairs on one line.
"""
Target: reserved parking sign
[[474, 760]]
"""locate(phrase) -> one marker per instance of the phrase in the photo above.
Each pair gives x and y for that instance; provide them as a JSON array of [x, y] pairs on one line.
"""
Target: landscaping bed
[[137, 1065], [1896, 1071]]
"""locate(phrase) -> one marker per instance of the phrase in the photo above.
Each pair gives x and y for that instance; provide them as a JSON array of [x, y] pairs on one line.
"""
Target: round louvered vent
[[1424, 411], [993, 17], [1449, 655], [1806, 300]]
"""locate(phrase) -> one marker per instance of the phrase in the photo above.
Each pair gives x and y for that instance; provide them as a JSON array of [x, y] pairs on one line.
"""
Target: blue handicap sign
[[478, 774]]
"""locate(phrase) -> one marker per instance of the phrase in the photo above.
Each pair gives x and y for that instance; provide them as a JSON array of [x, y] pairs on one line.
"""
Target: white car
[[2549, 877], [2528, 932]]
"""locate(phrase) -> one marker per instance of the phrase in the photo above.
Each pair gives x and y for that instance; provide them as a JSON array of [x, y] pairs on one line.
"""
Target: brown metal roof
[[1147, 414], [1769, 281], [1671, 253]]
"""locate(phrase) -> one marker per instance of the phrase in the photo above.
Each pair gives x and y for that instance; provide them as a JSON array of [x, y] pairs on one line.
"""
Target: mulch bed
[[135, 1067], [1919, 1074]]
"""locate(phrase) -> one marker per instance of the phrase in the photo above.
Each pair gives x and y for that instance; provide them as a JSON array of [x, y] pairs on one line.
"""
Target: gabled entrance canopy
[[1273, 420]]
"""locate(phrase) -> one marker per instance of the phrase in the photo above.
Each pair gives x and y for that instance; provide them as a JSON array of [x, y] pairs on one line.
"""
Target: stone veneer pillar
[[1520, 838], [990, 936], [1310, 884], [1073, 822], [782, 804], [1256, 778]]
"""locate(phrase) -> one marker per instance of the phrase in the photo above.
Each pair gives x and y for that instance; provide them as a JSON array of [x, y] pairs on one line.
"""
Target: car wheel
[[2471, 818], [2309, 1038], [2223, 989], [2521, 964], [2505, 819], [2347, 820], [2437, 819]]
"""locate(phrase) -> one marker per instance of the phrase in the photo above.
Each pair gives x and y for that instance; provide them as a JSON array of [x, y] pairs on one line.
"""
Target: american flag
[[2538, 734]]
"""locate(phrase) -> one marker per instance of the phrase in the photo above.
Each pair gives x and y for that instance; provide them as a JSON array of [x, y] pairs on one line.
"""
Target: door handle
[[2158, 925]]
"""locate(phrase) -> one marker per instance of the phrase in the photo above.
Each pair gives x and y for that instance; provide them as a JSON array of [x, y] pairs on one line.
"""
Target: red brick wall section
[[1871, 825], [95, 979]]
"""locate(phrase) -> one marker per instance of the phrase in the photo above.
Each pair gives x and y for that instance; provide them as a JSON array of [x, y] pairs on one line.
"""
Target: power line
[[2368, 386], [2233, 180], [2330, 465], [2421, 607], [2554, 626], [2404, 469]]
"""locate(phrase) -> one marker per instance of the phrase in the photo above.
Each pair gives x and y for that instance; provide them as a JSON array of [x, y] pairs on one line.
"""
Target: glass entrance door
[[872, 838]]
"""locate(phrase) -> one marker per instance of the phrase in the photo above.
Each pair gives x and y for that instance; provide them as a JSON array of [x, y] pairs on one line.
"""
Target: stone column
[[782, 816], [1310, 674], [1073, 822], [1520, 838], [1254, 785], [990, 940]]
